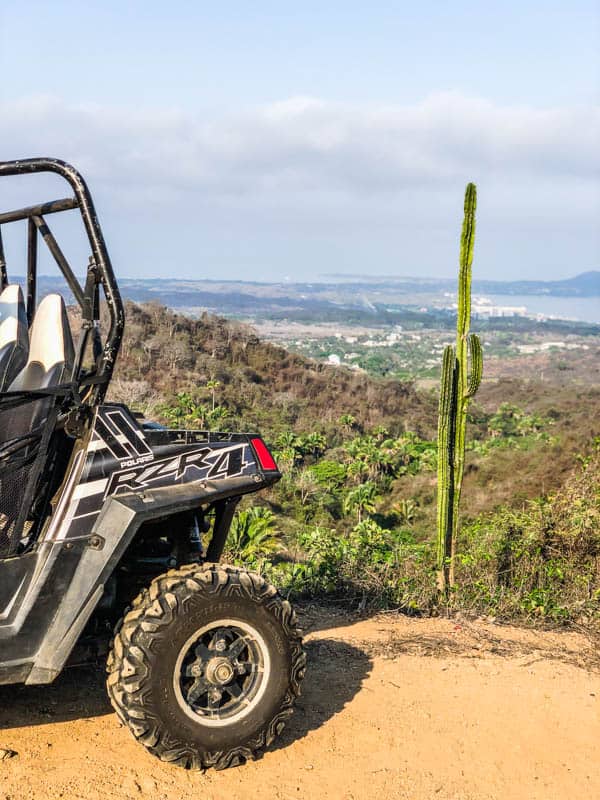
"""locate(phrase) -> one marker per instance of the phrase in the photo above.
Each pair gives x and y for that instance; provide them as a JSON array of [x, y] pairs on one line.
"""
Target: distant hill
[[587, 284], [180, 293], [412, 303]]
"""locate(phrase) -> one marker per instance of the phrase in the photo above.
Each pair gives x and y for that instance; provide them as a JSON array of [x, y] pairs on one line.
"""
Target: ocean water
[[584, 309]]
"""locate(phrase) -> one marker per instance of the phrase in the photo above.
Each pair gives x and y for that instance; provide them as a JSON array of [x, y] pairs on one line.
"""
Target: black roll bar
[[42, 209], [101, 261]]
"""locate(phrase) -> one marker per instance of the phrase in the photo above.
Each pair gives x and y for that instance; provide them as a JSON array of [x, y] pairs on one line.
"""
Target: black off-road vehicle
[[105, 516]]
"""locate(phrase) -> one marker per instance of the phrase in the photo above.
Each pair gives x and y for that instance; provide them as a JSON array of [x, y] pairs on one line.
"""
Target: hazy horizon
[[325, 278]]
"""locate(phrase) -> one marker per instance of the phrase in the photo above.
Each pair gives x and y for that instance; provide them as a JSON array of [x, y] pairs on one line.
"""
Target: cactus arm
[[445, 461], [458, 472], [472, 382], [476, 358]]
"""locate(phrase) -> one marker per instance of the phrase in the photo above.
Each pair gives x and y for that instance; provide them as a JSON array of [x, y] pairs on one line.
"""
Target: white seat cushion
[[14, 339], [51, 351]]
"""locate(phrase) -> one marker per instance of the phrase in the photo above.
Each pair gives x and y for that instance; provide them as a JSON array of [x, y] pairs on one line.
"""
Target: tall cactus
[[458, 385]]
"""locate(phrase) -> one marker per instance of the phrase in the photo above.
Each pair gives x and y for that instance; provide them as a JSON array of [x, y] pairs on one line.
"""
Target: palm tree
[[348, 422], [286, 459], [217, 417], [381, 433], [178, 410], [406, 510], [315, 444], [287, 441], [375, 457], [290, 444], [185, 411], [212, 385], [378, 461], [253, 534], [362, 499]]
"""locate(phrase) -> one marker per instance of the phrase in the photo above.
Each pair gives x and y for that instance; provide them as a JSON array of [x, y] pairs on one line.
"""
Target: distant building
[[482, 307], [528, 349], [499, 311]]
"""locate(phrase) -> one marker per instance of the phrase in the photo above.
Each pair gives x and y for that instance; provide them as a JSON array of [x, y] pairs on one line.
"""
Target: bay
[[583, 309]]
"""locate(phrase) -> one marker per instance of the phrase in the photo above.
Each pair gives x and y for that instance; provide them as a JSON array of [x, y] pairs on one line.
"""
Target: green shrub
[[253, 535]]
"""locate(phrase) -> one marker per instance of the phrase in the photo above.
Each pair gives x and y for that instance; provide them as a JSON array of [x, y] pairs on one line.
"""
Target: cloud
[[308, 145], [321, 186]]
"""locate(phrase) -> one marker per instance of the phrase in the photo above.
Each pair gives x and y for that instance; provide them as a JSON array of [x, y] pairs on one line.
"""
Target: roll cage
[[34, 419], [99, 274]]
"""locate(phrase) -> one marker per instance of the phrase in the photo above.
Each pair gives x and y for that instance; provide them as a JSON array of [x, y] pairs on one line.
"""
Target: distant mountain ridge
[[586, 284], [204, 291]]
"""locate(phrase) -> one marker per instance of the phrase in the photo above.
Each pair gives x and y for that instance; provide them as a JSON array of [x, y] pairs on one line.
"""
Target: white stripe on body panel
[[88, 489]]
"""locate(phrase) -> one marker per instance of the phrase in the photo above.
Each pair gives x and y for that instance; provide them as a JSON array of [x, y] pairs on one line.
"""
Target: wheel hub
[[222, 672], [219, 671]]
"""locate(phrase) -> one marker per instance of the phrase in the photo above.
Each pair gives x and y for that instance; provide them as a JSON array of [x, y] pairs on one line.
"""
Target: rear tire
[[206, 666]]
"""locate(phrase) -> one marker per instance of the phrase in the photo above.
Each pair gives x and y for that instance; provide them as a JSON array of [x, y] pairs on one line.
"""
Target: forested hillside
[[260, 385], [354, 515]]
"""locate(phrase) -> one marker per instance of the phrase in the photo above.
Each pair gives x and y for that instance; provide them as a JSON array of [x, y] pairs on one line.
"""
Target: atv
[[112, 526]]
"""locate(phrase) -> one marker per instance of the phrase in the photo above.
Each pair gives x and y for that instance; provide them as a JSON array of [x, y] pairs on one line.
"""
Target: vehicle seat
[[14, 339], [50, 362], [51, 351]]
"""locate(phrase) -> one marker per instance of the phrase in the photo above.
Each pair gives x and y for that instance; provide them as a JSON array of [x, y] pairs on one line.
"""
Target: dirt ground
[[392, 708]]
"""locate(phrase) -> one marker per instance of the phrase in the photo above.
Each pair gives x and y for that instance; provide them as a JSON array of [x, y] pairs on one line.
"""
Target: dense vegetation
[[172, 358], [354, 516]]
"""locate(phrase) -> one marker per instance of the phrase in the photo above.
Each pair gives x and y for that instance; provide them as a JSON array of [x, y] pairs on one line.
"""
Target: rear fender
[[113, 532]]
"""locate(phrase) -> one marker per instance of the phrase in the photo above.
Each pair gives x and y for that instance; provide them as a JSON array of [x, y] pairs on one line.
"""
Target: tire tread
[[148, 618]]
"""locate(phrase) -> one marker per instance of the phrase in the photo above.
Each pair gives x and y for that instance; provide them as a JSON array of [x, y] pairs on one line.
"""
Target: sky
[[289, 141]]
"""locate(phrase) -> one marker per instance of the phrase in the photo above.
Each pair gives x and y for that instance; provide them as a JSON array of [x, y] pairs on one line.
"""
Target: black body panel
[[123, 476]]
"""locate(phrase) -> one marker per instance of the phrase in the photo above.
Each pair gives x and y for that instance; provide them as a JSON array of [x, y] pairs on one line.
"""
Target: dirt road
[[393, 708]]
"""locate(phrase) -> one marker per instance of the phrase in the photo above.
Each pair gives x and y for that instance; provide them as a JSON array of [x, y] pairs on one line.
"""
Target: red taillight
[[265, 459]]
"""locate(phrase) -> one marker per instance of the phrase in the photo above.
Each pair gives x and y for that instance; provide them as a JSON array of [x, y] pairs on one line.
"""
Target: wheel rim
[[222, 672]]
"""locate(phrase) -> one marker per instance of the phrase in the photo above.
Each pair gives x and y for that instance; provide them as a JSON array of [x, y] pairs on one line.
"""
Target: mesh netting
[[21, 430], [13, 487]]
